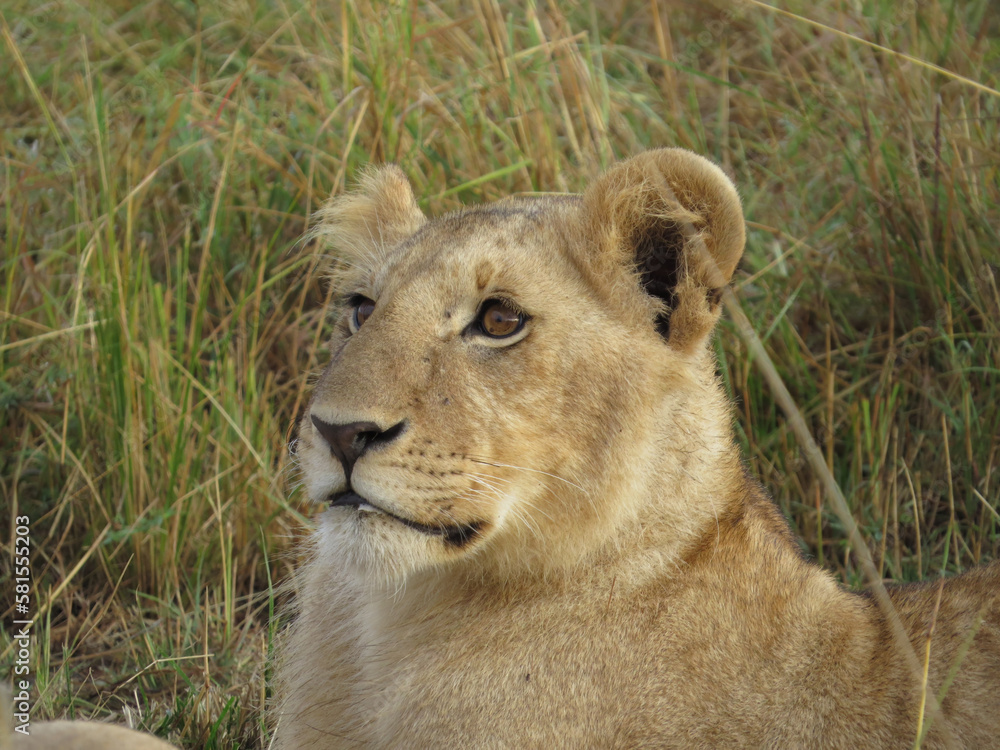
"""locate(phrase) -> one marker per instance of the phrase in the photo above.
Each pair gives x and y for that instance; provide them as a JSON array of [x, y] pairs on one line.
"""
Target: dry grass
[[158, 324]]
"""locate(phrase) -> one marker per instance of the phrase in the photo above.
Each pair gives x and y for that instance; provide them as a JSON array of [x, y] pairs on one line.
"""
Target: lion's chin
[[386, 548]]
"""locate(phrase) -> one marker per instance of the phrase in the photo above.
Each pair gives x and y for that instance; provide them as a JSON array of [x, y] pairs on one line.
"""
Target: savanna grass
[[159, 322]]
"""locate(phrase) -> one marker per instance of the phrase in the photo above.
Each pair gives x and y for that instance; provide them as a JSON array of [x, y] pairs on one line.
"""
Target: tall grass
[[159, 323]]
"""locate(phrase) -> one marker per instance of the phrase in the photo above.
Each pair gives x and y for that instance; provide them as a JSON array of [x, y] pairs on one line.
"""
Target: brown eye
[[499, 320], [363, 309]]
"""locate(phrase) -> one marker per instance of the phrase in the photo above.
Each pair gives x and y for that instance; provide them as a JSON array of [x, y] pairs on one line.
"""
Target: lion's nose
[[348, 442]]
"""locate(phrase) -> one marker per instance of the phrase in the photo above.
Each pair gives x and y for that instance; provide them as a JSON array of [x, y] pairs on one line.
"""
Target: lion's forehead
[[510, 247]]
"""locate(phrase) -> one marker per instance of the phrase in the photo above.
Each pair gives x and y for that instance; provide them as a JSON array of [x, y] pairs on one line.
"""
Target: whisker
[[520, 500], [525, 468]]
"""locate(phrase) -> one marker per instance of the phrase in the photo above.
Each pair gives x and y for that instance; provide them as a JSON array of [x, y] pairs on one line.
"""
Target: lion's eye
[[363, 309], [499, 320]]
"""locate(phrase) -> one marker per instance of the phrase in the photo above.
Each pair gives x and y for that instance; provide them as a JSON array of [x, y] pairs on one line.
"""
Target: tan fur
[[628, 585], [85, 735]]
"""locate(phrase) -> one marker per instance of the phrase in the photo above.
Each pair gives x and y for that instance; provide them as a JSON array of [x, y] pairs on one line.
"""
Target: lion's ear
[[382, 212], [676, 219]]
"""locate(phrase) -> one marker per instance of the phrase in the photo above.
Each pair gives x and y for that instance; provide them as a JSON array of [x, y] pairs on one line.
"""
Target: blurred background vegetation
[[159, 322]]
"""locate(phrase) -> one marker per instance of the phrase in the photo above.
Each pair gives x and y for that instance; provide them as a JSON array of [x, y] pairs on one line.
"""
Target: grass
[[159, 323]]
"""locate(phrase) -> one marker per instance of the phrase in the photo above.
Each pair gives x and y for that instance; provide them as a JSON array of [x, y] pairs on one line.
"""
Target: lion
[[539, 531], [66, 735], [84, 735]]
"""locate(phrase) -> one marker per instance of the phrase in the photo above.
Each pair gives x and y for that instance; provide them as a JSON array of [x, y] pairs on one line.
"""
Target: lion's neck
[[696, 477]]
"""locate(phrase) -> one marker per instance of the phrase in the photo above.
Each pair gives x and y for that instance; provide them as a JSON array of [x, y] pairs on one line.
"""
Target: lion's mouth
[[456, 536]]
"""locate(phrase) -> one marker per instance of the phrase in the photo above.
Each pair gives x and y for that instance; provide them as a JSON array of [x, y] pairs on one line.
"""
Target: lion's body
[[751, 647], [547, 539]]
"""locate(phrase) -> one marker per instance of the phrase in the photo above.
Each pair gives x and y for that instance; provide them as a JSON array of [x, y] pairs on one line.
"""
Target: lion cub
[[539, 532]]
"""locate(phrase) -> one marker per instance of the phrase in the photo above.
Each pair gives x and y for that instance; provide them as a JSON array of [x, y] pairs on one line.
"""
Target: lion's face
[[491, 384]]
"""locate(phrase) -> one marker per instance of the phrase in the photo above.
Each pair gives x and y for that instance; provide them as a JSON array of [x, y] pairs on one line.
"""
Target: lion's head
[[505, 380]]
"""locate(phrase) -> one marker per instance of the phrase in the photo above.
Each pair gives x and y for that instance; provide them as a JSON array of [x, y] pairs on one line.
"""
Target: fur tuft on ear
[[675, 219], [364, 224]]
